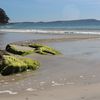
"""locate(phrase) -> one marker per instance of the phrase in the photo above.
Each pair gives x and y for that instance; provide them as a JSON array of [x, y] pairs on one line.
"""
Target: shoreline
[[60, 38]]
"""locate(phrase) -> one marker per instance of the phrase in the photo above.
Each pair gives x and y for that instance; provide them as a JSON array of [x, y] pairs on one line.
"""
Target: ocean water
[[58, 27]]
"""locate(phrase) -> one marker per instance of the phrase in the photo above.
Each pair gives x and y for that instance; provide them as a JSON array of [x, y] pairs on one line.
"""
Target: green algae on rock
[[43, 49], [31, 64], [15, 49], [11, 64]]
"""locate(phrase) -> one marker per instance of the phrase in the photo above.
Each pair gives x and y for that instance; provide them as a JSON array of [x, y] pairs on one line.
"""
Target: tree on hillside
[[3, 17]]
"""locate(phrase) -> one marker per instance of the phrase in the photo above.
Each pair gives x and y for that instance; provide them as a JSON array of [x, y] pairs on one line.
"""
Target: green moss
[[11, 64], [32, 64], [44, 50], [14, 50]]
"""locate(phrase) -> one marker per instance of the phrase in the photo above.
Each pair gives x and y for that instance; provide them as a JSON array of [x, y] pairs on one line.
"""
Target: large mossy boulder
[[19, 50], [10, 65], [43, 49]]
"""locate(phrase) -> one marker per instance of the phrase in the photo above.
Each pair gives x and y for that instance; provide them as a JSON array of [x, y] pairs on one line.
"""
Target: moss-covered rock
[[11, 64], [31, 64], [36, 45], [44, 50], [20, 50]]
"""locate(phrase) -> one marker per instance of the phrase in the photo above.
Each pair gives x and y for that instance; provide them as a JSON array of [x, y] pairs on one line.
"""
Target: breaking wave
[[50, 31]]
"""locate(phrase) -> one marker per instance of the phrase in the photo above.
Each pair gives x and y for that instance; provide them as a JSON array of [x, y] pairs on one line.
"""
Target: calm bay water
[[77, 26]]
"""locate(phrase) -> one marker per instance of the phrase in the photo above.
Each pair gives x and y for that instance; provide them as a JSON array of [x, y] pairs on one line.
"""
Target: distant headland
[[65, 21]]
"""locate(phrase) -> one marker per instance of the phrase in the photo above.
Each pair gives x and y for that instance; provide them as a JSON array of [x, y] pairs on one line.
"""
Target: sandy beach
[[90, 92], [71, 76]]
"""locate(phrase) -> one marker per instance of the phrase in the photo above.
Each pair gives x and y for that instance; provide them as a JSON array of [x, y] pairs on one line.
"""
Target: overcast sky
[[50, 10]]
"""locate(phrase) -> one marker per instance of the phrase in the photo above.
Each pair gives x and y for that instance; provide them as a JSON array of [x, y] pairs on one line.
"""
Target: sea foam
[[50, 31]]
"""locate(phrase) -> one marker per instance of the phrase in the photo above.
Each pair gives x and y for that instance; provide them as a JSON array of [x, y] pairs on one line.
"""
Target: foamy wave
[[50, 31], [33, 31], [8, 91]]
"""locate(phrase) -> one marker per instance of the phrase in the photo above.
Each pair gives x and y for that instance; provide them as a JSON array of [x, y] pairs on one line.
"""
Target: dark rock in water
[[43, 49], [35, 47], [11, 65], [20, 50]]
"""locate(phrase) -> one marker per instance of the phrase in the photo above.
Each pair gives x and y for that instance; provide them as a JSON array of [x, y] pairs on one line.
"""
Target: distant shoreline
[[56, 21]]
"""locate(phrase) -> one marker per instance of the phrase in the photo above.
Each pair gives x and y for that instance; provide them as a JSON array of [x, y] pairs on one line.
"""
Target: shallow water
[[89, 49], [6, 38]]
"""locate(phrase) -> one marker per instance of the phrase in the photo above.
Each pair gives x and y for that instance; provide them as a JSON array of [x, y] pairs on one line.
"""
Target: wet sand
[[75, 75], [89, 92], [58, 79]]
